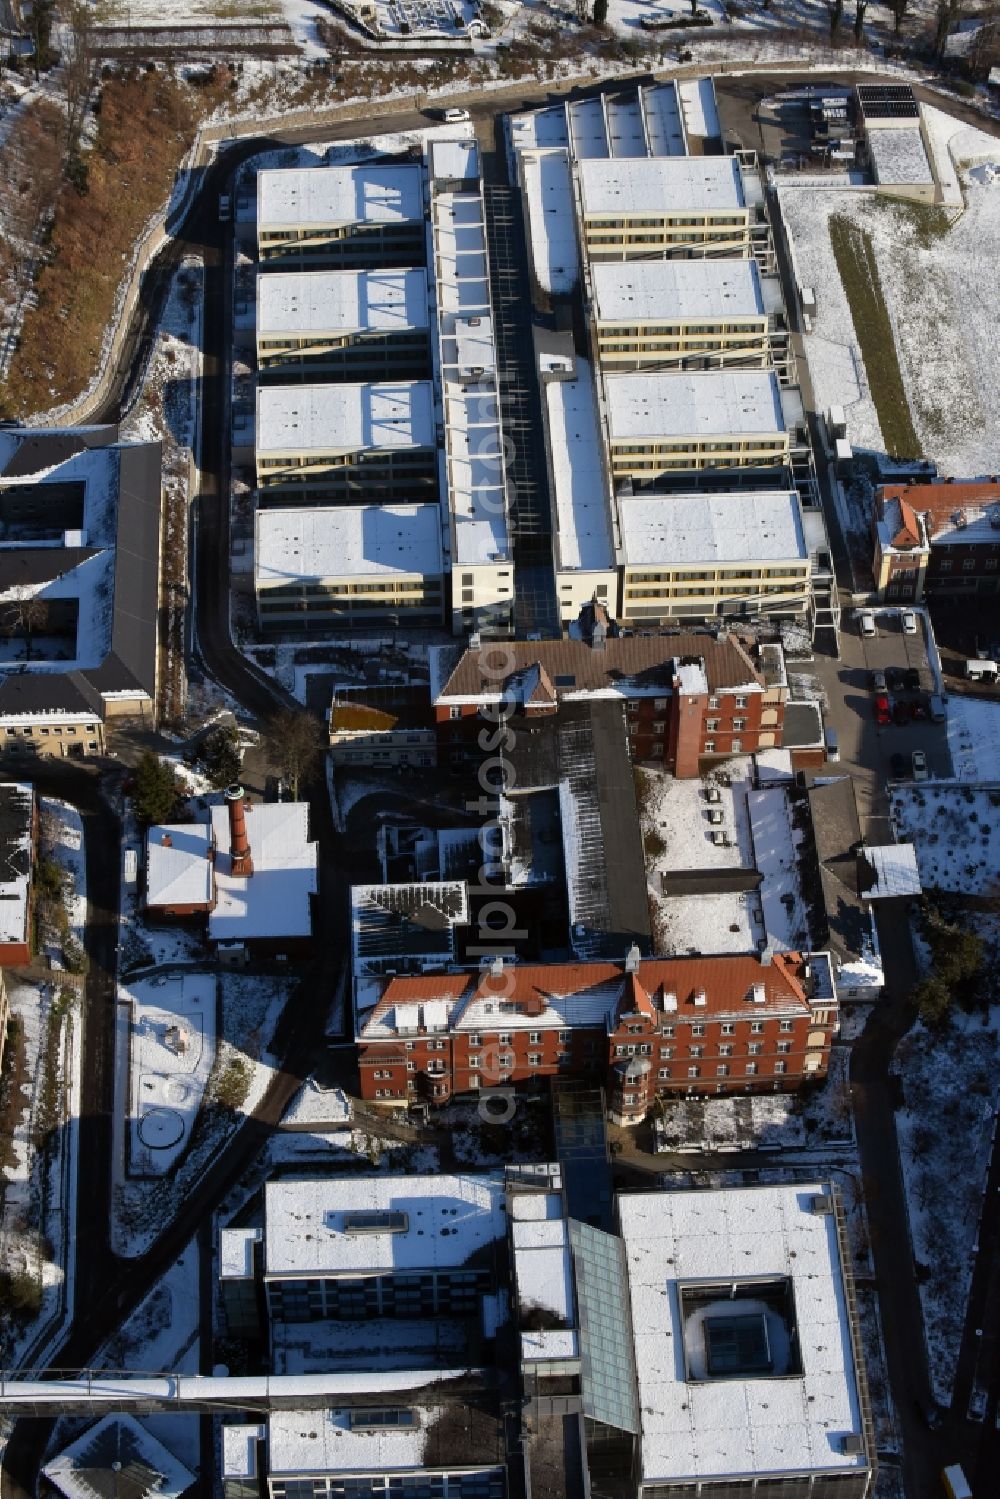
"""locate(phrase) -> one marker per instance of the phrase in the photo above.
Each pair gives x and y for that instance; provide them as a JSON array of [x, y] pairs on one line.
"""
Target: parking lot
[[866, 749]]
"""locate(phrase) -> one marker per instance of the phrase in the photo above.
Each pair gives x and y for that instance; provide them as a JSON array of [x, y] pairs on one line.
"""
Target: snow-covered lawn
[[815, 1120], [949, 1102], [956, 833], [171, 1040], [942, 291]]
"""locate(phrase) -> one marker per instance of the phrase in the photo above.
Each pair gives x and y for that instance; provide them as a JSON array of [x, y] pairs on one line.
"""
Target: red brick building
[[938, 539], [702, 1025], [688, 696]]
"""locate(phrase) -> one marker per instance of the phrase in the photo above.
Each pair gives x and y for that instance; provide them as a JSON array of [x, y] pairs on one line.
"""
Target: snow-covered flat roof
[[582, 505], [661, 185], [715, 403], [543, 1266], [178, 864], [341, 301], [539, 128], [445, 1220], [344, 418], [326, 1442], [896, 872], [236, 1252], [274, 900], [367, 194], [548, 187], [898, 156], [454, 160], [17, 802], [347, 541], [550, 1343], [668, 291], [681, 530], [239, 1450], [742, 1425]]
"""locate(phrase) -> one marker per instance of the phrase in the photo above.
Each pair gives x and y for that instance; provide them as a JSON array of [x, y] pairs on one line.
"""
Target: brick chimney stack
[[241, 862]]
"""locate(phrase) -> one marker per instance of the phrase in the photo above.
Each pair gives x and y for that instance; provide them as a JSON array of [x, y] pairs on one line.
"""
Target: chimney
[[496, 968], [632, 959], [241, 862]]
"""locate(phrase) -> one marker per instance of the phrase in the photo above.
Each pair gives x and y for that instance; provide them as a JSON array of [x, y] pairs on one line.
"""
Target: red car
[[882, 714]]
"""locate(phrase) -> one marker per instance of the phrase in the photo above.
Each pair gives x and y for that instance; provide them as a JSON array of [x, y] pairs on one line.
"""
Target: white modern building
[[747, 1347], [362, 323], [364, 564], [693, 556], [473, 460], [683, 314], [372, 214], [660, 426], [343, 441]]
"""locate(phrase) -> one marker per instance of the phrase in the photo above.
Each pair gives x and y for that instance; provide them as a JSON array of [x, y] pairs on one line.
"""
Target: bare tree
[[293, 743], [859, 21], [25, 616], [899, 9], [836, 16], [79, 62], [947, 15]]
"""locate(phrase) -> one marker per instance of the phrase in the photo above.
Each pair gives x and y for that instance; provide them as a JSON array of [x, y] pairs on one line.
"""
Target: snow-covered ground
[[251, 1006], [39, 1175], [942, 291], [948, 1113], [171, 1051], [956, 833]]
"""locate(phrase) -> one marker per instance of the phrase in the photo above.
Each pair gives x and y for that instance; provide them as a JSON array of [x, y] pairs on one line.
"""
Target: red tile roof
[[941, 500], [727, 983]]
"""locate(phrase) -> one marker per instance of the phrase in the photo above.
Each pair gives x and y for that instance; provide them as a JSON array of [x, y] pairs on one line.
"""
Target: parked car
[[909, 622], [918, 709], [866, 624], [455, 116], [918, 761], [898, 763], [879, 683], [911, 677], [896, 677], [900, 712], [882, 713]]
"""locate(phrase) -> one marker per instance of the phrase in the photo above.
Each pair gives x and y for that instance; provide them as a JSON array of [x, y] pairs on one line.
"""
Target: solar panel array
[[888, 101]]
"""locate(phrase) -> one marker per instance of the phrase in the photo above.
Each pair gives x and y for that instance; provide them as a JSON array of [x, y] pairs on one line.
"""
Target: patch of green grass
[[928, 221], [855, 257]]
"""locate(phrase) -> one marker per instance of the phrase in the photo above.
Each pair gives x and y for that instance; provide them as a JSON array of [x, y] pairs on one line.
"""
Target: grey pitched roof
[[40, 449], [26, 567]]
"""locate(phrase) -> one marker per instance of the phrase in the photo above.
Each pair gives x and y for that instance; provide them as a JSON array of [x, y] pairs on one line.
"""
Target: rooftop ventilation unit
[[822, 1205], [853, 1444]]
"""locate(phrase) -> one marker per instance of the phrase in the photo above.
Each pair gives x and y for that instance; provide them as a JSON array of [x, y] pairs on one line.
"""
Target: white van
[[909, 622], [981, 671], [455, 116], [866, 624]]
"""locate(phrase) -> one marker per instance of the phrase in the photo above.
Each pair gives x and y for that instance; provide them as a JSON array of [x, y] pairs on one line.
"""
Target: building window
[[664, 1072], [697, 1051], [740, 702], [697, 1030], [736, 746], [784, 1025], [722, 1070], [756, 1027], [454, 712], [666, 1052], [534, 1038], [534, 1059], [709, 746], [504, 1038], [738, 724], [694, 1072], [784, 1047], [725, 1050], [474, 1062], [713, 702], [781, 1067], [751, 1069], [728, 1028], [755, 1048], [668, 1031], [565, 1036], [659, 704]]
